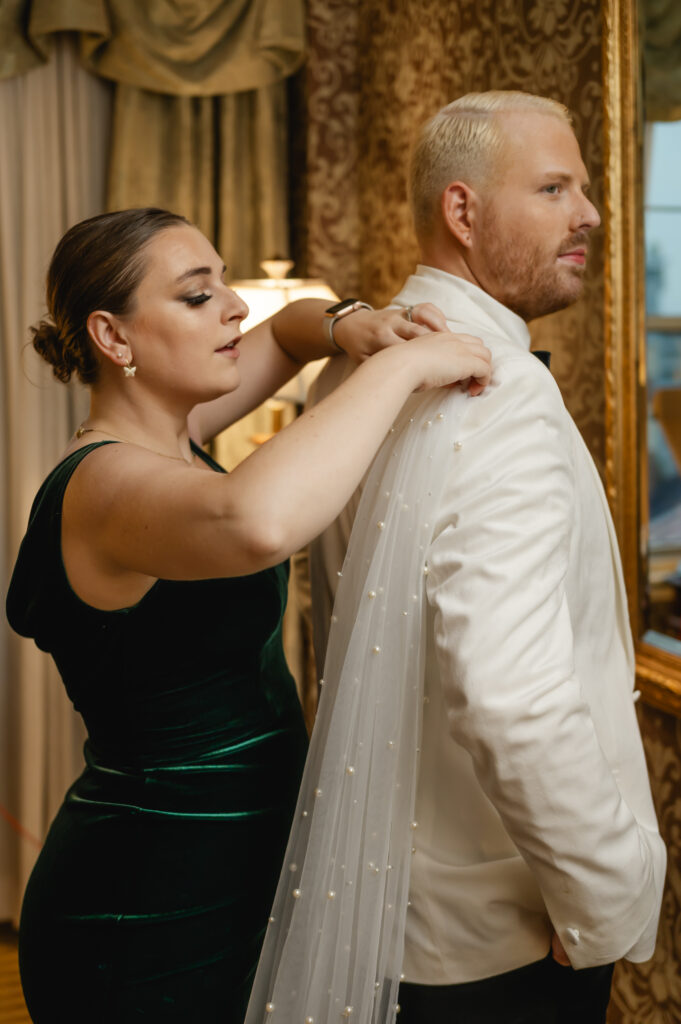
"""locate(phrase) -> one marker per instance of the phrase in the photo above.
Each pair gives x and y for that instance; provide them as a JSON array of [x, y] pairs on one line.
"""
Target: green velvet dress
[[151, 895]]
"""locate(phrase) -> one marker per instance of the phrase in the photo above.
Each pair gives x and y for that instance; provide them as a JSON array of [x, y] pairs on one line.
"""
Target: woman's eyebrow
[[198, 272]]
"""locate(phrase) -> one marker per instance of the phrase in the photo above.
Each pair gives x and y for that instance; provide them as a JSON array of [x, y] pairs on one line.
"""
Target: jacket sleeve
[[496, 580]]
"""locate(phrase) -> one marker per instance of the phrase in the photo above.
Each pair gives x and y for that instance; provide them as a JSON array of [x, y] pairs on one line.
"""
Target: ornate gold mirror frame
[[658, 672]]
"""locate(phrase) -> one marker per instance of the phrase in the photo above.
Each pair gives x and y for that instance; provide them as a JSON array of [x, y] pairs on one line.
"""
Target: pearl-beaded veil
[[334, 946]]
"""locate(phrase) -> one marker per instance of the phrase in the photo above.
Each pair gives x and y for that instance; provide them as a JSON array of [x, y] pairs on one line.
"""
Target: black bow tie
[[544, 357]]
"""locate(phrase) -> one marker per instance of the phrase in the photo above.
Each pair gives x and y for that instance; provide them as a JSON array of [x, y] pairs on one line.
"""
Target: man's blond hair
[[462, 142]]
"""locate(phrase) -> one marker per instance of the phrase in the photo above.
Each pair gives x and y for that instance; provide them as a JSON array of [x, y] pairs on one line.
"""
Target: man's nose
[[586, 215]]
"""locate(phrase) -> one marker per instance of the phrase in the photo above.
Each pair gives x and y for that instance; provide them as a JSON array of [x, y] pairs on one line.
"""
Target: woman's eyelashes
[[196, 300]]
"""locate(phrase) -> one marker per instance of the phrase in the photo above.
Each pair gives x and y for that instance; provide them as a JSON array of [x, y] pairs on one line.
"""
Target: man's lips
[[577, 256]]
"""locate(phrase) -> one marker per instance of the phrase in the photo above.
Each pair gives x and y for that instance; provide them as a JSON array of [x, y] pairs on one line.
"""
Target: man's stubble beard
[[529, 281]]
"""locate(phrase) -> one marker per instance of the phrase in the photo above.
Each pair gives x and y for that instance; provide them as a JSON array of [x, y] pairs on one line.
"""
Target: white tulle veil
[[334, 946]]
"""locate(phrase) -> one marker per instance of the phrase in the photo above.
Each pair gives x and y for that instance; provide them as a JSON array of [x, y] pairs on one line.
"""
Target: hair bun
[[49, 344]]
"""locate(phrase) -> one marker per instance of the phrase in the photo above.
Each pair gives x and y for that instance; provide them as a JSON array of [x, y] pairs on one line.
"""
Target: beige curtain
[[200, 105], [218, 160], [661, 27], [55, 125]]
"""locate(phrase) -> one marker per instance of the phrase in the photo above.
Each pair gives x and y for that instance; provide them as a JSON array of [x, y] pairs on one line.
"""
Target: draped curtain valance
[[661, 30], [177, 47], [200, 111]]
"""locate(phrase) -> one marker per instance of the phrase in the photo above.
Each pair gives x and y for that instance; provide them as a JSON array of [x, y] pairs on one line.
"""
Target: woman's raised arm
[[133, 516], [275, 350]]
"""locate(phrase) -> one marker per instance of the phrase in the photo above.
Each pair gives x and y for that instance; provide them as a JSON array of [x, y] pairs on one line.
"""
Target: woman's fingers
[[368, 331], [429, 316], [480, 378], [478, 361], [406, 329], [446, 358]]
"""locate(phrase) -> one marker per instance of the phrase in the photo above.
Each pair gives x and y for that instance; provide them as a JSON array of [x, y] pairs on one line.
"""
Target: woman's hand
[[442, 358], [365, 332], [558, 951]]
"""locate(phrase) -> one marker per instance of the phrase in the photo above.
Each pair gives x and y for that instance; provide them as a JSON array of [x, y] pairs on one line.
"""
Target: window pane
[[663, 261], [663, 353]]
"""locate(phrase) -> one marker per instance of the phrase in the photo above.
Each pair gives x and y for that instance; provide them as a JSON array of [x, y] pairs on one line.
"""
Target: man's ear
[[459, 204], [106, 333]]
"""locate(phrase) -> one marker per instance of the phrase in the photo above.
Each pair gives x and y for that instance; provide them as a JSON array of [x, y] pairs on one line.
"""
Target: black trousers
[[540, 993]]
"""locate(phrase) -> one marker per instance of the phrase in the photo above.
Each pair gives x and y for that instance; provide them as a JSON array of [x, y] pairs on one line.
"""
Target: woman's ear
[[104, 330], [459, 208]]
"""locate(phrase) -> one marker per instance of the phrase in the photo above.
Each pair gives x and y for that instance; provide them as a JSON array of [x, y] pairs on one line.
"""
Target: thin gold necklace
[[98, 430]]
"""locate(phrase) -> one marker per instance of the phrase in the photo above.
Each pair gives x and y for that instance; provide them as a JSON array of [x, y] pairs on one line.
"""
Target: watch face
[[340, 306]]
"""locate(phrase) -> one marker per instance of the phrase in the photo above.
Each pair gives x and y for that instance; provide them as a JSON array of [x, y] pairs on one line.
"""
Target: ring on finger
[[407, 314]]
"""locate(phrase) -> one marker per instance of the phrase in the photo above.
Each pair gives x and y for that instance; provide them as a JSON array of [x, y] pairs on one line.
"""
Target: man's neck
[[451, 261]]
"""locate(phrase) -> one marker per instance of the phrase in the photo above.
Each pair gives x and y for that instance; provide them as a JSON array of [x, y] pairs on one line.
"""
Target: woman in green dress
[[157, 583]]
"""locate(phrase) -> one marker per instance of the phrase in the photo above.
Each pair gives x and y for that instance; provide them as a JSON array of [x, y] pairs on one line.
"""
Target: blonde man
[[537, 861]]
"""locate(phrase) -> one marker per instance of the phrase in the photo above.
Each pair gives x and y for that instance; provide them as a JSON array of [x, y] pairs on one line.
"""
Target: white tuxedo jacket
[[533, 803]]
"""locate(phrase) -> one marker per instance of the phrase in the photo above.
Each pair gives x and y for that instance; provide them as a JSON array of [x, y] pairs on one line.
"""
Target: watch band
[[337, 312]]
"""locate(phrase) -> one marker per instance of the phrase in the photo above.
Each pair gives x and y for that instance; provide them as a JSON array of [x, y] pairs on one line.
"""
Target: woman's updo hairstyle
[[98, 264]]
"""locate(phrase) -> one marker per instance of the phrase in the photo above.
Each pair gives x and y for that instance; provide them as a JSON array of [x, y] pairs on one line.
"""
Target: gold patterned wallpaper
[[376, 70]]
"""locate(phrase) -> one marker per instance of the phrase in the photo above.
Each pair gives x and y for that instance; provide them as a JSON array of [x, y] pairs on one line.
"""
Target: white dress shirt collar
[[462, 301]]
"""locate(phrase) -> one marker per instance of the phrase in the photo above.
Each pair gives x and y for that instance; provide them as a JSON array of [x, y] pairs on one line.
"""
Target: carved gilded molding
[[622, 274], [658, 673], [659, 678]]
